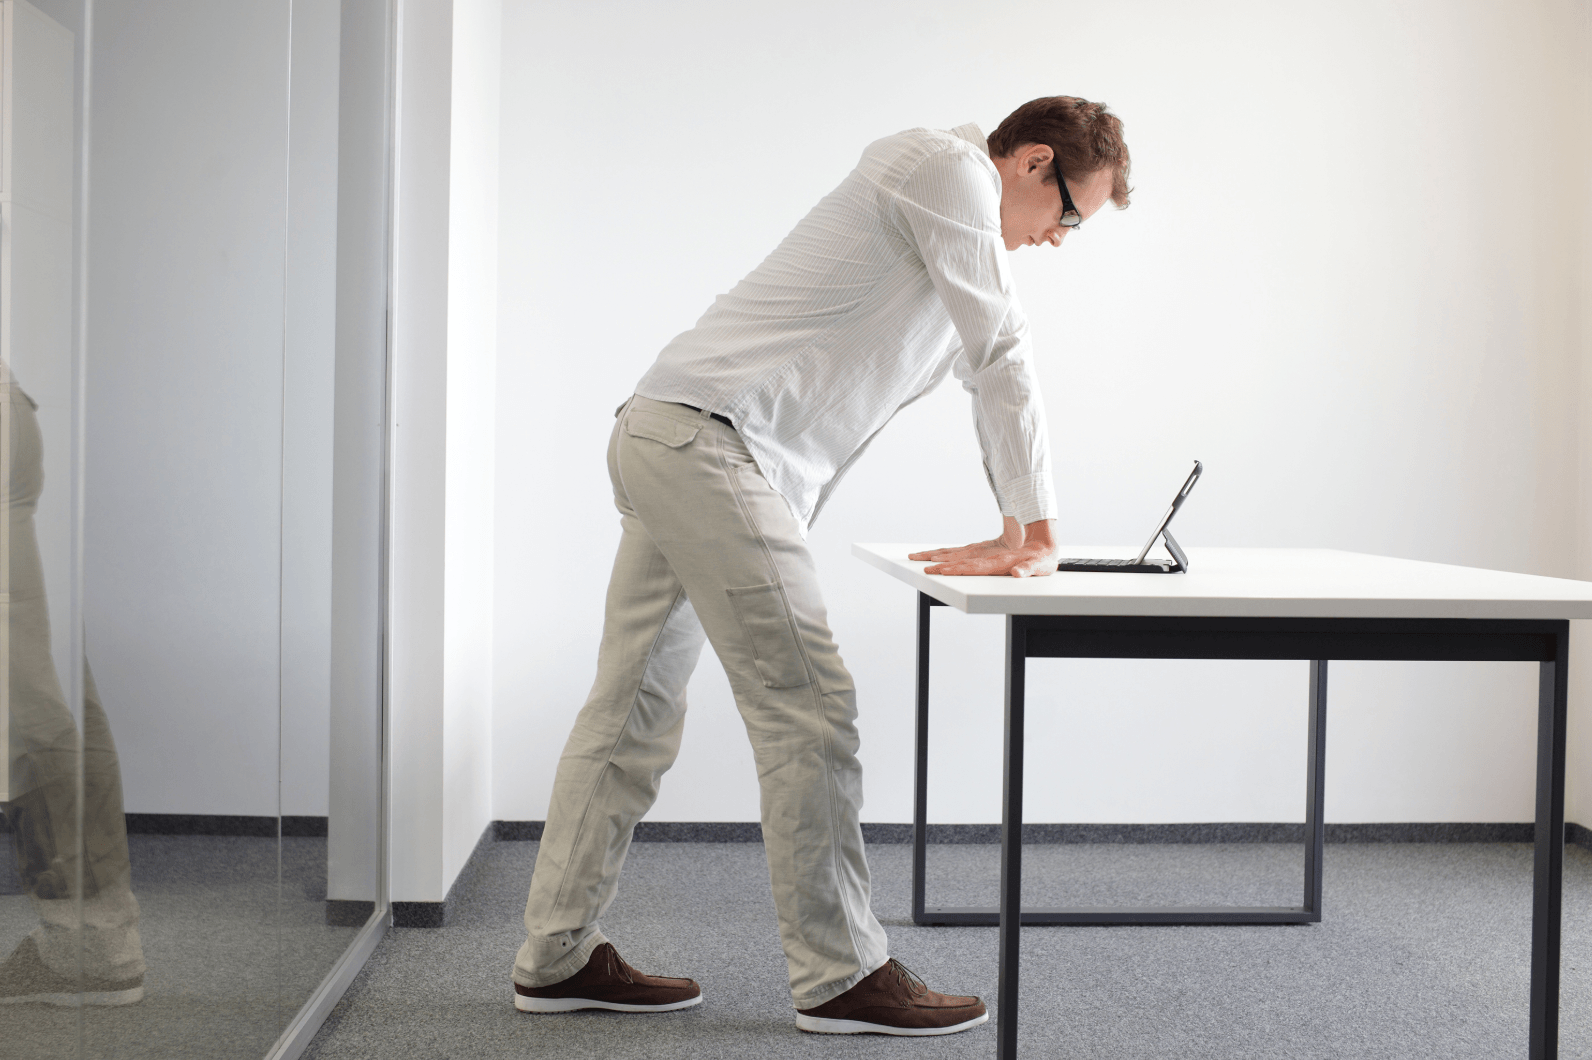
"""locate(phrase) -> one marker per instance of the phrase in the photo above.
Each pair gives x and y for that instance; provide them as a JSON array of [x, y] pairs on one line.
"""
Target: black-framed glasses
[[1070, 217]]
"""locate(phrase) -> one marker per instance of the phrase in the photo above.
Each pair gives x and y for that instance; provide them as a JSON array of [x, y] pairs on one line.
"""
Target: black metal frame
[[1545, 642], [1308, 912]]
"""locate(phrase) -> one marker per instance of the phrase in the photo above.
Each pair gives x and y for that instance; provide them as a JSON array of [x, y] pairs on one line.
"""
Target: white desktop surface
[[1251, 582]]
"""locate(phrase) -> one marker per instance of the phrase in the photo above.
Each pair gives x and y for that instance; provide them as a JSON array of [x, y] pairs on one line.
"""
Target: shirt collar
[[973, 135]]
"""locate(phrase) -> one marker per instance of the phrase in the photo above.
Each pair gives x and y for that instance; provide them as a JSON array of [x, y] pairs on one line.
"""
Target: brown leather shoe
[[892, 1000], [608, 982]]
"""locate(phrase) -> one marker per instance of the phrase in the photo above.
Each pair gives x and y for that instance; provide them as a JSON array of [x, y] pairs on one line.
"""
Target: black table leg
[[1315, 788], [920, 783], [1011, 907], [1548, 874]]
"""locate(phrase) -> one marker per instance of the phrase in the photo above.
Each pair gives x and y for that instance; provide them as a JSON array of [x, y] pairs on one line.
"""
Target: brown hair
[[1085, 136]]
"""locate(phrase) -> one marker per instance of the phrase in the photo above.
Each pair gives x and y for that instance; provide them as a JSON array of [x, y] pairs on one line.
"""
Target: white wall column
[[444, 304], [471, 429]]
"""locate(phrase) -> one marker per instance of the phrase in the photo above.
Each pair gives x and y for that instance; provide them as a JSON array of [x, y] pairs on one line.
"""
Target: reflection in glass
[[80, 930], [72, 861], [68, 918], [193, 476]]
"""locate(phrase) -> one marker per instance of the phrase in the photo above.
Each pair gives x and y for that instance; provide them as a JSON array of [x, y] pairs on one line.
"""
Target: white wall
[[1347, 283]]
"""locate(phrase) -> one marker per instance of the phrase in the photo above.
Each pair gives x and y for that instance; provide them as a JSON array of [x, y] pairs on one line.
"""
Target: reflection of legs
[[79, 880], [700, 512], [109, 940]]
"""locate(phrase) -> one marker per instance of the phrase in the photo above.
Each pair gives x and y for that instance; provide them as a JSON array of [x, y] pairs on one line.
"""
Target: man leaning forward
[[726, 453]]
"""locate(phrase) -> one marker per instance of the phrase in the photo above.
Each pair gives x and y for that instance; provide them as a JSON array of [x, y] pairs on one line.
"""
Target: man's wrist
[[1040, 535]]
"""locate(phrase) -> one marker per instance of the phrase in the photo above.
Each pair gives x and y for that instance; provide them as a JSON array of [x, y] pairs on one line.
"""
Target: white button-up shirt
[[895, 278]]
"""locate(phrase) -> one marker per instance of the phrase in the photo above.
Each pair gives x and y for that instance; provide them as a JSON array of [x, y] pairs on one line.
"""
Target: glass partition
[[193, 294]]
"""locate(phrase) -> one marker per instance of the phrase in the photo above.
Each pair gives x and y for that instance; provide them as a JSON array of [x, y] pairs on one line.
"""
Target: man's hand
[[1021, 551]]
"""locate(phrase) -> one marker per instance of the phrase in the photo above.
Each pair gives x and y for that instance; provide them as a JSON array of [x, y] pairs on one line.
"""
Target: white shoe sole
[[575, 1004], [79, 1000], [817, 1025]]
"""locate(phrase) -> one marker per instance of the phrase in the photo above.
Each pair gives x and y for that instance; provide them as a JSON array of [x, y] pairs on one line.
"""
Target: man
[[731, 445]]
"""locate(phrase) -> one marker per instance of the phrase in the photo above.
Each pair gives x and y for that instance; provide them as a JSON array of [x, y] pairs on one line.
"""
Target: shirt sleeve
[[948, 208], [958, 365]]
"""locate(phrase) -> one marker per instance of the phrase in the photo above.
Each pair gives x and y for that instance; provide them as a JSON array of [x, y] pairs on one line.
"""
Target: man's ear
[[1035, 156]]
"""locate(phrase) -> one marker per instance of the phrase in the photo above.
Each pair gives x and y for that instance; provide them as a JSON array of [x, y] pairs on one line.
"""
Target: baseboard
[[348, 912], [437, 914], [421, 914], [259, 827], [225, 824], [1215, 832], [658, 831], [517, 831]]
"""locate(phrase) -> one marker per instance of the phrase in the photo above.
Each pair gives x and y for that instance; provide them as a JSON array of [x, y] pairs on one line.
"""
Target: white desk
[[1232, 603]]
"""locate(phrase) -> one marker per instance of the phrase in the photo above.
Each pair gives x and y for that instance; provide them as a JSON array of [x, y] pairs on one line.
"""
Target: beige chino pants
[[709, 550]]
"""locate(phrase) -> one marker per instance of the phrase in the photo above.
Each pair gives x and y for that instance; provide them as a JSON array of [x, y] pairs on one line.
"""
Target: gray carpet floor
[[1423, 953], [235, 940]]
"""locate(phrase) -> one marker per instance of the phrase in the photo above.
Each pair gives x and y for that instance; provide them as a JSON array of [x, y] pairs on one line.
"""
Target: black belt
[[722, 419]]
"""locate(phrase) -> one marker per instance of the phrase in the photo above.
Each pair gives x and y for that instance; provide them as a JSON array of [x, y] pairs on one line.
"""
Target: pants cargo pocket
[[766, 622]]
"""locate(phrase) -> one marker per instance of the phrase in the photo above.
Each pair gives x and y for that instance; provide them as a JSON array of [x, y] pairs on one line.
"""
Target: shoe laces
[[622, 971], [914, 982]]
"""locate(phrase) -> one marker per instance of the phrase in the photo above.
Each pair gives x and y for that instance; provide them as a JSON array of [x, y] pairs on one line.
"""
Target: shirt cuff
[[1028, 499]]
